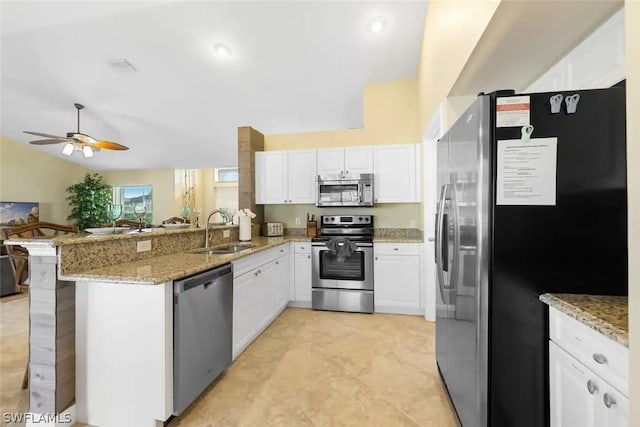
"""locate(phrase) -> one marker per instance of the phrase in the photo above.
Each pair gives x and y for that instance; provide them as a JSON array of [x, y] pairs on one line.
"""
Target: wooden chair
[[19, 256], [124, 223], [175, 220]]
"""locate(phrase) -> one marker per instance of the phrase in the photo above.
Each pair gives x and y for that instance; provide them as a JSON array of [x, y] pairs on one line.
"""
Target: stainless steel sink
[[225, 249]]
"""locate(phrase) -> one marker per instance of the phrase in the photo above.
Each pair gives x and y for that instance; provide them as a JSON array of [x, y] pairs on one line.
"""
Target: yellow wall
[[30, 175], [632, 15], [389, 116], [451, 31], [162, 181]]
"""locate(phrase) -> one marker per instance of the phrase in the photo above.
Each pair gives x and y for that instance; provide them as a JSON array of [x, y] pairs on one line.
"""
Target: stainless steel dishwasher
[[202, 332]]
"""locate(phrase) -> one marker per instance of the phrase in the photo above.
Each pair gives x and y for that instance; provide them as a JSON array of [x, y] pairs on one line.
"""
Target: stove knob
[[359, 219]]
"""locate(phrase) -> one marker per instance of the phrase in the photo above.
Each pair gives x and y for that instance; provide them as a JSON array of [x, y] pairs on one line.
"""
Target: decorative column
[[249, 141], [52, 357]]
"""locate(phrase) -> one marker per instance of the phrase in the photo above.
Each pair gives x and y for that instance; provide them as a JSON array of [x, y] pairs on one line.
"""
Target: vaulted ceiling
[[295, 66]]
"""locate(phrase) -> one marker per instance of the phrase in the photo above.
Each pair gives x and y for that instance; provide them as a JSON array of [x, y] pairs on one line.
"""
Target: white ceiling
[[297, 66]]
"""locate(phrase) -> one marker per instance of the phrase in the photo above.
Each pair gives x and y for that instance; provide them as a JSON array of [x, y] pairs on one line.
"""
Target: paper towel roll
[[245, 228]]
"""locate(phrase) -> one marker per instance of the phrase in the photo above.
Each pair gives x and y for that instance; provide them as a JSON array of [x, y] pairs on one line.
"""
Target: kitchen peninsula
[[101, 336]]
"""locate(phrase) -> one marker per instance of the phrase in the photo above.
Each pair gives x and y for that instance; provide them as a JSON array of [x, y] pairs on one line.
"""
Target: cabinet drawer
[[396, 248], [602, 355], [302, 248], [251, 262]]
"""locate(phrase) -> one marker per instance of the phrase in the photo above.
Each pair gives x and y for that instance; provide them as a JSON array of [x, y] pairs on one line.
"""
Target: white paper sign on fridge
[[527, 172], [512, 111]]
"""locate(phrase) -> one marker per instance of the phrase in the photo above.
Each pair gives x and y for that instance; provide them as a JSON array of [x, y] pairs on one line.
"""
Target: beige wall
[[451, 31], [162, 181], [389, 116], [30, 175], [632, 15], [387, 215]]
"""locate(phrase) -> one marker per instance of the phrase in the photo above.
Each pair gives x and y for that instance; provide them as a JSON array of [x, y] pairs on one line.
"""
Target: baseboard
[[300, 304], [413, 311]]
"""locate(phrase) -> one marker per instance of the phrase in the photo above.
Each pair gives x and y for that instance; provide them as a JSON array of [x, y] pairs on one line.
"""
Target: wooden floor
[[309, 368]]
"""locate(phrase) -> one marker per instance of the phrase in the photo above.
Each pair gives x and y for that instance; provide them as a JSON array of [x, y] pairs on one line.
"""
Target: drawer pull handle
[[592, 387], [609, 401], [600, 358], [395, 249]]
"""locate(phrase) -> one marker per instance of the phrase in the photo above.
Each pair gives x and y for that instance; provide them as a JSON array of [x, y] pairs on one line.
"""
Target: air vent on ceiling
[[122, 66]]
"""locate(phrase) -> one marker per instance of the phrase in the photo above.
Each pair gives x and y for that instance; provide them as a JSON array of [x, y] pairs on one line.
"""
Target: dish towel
[[341, 247]]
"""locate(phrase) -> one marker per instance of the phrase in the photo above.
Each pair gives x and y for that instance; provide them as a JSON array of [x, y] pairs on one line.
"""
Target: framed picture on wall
[[18, 213]]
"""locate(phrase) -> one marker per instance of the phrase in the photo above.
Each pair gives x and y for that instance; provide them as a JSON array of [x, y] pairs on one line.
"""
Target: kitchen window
[[226, 175], [130, 196]]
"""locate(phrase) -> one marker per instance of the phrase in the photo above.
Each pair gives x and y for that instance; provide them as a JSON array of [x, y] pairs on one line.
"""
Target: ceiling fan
[[76, 141]]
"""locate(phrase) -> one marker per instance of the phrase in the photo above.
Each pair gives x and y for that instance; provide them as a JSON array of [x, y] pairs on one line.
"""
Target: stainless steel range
[[342, 264]]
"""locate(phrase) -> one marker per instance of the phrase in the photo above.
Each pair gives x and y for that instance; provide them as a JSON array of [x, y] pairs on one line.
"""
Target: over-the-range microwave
[[341, 191]]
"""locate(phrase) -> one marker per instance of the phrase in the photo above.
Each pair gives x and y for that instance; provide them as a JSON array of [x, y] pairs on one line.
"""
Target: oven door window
[[351, 268]]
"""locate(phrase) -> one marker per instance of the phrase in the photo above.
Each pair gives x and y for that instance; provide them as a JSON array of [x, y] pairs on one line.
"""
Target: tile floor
[[309, 368]]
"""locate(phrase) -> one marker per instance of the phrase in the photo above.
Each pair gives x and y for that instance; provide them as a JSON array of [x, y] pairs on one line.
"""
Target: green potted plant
[[88, 201]]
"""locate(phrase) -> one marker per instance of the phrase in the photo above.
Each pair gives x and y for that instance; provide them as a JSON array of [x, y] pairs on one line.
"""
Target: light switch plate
[[412, 223], [226, 233], [144, 245]]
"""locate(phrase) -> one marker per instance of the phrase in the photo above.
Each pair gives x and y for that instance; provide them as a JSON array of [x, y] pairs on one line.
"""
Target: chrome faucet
[[226, 218]]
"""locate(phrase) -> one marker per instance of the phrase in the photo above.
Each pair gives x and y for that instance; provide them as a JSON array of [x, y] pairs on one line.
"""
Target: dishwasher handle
[[206, 279]]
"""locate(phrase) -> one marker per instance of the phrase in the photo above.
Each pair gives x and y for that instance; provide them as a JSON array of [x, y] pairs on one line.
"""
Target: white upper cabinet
[[396, 173], [285, 177], [271, 177], [302, 176], [345, 162], [597, 62], [358, 160]]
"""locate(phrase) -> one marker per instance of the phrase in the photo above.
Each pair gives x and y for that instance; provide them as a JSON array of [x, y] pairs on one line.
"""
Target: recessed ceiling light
[[222, 49], [377, 24]]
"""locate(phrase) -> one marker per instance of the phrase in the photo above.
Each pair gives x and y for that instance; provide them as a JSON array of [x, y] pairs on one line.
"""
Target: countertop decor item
[[88, 201], [245, 216]]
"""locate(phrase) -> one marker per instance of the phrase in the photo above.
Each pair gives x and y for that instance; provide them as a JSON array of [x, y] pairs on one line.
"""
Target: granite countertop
[[606, 314], [160, 269]]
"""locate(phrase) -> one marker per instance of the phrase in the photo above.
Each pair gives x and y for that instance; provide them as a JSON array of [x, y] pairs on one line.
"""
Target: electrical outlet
[[226, 233], [412, 223], [144, 245], [297, 220]]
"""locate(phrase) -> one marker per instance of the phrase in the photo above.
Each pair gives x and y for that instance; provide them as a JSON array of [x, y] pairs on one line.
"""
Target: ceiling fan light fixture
[[68, 149], [87, 151]]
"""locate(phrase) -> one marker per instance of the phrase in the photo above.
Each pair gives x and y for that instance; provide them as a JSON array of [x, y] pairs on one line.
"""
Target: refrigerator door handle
[[453, 277], [439, 237]]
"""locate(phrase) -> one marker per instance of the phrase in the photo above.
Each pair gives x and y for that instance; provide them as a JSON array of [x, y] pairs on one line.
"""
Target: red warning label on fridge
[[513, 111]]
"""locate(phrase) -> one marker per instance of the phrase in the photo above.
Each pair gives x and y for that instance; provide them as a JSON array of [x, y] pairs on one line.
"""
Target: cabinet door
[[283, 282], [302, 277], [245, 316], [358, 160], [570, 387], [302, 176], [612, 408], [330, 161], [395, 178], [397, 281], [272, 167]]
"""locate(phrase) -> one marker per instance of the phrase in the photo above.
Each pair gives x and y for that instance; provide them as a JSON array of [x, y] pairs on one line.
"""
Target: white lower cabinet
[[302, 272], [396, 274], [578, 396], [260, 293]]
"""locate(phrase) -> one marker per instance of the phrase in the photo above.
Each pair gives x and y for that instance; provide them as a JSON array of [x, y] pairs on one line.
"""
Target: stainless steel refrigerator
[[520, 214]]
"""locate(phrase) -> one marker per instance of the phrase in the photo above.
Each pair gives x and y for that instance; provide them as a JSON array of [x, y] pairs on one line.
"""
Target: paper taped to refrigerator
[[513, 111], [527, 172]]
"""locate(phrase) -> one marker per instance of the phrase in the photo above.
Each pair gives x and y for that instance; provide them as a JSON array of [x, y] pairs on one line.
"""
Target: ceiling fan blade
[[46, 135], [108, 145], [47, 141]]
